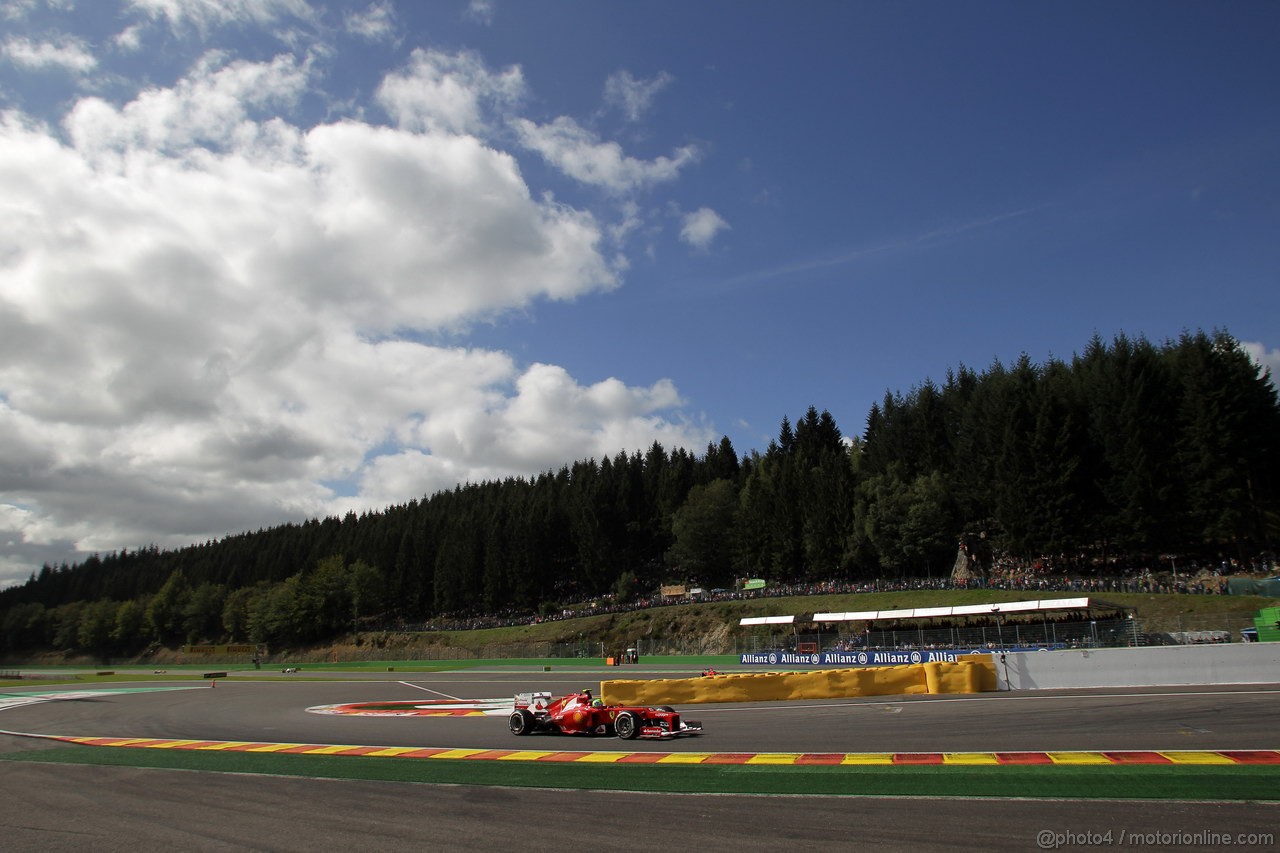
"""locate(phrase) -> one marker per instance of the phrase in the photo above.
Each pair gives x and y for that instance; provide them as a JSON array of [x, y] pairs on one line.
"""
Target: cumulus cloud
[[376, 23], [205, 15], [16, 10], [65, 53], [210, 314], [700, 228], [633, 97], [545, 419], [480, 11], [580, 154], [211, 107], [448, 92], [1265, 358], [128, 40]]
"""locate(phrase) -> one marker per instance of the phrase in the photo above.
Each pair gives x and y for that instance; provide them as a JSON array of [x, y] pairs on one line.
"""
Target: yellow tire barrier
[[969, 675]]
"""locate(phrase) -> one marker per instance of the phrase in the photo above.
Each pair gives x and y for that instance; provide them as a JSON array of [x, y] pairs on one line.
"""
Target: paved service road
[[66, 807]]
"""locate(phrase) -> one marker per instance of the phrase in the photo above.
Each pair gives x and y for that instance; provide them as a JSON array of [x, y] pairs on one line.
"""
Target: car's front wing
[[659, 733]]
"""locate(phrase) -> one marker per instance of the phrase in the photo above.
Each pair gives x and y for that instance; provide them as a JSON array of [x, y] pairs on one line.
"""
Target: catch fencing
[[1121, 632]]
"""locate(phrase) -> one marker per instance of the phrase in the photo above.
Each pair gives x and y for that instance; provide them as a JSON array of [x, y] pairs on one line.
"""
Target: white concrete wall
[[1233, 663]]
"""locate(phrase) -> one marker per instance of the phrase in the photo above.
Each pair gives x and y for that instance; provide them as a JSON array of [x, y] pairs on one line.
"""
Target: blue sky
[[265, 260]]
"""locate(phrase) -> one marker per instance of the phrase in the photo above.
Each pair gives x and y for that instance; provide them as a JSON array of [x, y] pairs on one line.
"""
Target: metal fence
[[1094, 633]]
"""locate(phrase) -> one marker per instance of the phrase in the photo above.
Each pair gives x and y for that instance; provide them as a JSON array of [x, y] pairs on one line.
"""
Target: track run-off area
[[1196, 757]]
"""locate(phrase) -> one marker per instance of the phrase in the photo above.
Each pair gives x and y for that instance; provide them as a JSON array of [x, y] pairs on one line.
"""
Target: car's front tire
[[521, 722], [626, 725]]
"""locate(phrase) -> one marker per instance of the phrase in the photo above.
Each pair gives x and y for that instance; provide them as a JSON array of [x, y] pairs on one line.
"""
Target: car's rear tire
[[668, 709], [626, 726], [521, 722]]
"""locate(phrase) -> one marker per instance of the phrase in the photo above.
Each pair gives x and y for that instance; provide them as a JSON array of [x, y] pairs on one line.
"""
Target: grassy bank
[[713, 626]]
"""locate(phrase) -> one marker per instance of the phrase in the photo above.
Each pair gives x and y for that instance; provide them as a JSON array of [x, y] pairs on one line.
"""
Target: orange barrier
[[975, 674]]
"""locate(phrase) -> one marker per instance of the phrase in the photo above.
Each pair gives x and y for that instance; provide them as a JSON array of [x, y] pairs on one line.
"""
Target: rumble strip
[[910, 759]]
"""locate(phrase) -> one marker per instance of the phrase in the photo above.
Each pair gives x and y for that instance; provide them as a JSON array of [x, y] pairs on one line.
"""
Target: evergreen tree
[[704, 533]]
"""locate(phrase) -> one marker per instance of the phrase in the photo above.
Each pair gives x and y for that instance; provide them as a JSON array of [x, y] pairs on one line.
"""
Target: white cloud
[[550, 419], [376, 23], [66, 53], [633, 97], [206, 15], [1263, 357], [448, 92], [16, 10], [581, 155], [480, 11], [128, 40], [210, 107], [700, 228], [209, 312]]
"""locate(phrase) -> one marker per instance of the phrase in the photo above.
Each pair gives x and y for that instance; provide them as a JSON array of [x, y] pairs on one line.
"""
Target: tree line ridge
[[1127, 451]]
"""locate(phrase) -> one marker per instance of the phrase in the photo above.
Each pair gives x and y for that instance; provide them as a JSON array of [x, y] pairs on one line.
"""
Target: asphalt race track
[[72, 807]]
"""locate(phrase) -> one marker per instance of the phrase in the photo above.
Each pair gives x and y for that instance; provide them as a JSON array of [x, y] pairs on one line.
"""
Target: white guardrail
[[1227, 663]]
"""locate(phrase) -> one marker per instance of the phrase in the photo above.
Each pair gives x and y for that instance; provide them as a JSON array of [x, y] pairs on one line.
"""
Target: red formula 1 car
[[579, 713]]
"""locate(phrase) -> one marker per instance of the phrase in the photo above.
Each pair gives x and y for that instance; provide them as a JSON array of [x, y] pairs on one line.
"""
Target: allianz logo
[[850, 658]]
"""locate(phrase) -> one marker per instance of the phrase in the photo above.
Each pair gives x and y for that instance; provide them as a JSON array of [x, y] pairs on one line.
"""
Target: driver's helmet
[[597, 703]]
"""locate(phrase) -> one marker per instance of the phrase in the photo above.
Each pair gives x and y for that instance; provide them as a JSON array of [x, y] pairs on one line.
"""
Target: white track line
[[874, 703], [429, 690]]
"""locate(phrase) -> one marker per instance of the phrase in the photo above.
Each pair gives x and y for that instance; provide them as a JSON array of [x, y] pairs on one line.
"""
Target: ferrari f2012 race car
[[580, 713]]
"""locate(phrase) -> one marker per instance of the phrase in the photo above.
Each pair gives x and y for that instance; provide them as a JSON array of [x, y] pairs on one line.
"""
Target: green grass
[[1259, 783], [57, 675]]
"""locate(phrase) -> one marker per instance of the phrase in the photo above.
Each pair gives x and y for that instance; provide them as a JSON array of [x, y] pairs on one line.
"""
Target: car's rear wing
[[533, 701]]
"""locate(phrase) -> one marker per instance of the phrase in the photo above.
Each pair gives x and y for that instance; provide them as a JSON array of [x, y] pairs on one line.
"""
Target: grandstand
[[1081, 622]]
